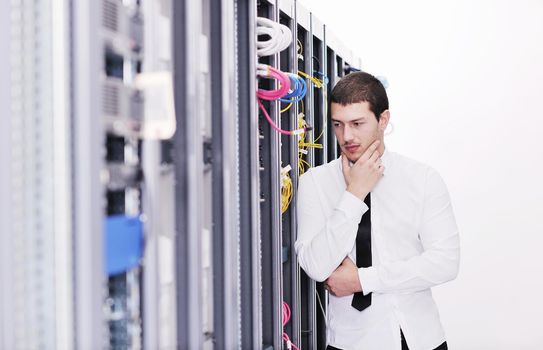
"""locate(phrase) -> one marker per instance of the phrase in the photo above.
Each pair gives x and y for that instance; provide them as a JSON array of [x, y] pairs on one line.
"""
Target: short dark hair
[[361, 87]]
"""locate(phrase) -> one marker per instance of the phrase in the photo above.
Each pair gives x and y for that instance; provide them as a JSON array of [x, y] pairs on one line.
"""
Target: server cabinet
[[146, 192], [309, 55]]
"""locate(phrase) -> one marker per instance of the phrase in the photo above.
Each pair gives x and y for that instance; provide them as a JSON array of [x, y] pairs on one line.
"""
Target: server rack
[[188, 154], [270, 208], [38, 290], [323, 60], [216, 259], [267, 266], [289, 158], [225, 163], [209, 181], [308, 306], [249, 181]]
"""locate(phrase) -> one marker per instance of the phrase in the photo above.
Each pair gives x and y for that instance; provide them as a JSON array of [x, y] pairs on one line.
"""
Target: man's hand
[[344, 280], [363, 175]]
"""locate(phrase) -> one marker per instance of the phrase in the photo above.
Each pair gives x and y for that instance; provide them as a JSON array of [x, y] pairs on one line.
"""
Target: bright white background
[[466, 97]]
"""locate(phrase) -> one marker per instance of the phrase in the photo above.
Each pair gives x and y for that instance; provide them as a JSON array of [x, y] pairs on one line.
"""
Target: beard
[[363, 147]]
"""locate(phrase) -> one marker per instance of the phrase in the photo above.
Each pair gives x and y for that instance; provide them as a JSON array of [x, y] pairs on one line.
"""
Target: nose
[[347, 134]]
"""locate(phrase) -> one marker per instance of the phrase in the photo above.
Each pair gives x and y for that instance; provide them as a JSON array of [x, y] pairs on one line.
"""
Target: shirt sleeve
[[324, 240], [440, 259]]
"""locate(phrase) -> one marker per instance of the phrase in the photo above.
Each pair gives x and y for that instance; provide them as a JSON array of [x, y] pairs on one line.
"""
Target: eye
[[336, 124], [358, 123]]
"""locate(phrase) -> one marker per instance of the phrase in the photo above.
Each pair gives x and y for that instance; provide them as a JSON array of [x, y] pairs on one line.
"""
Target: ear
[[383, 121]]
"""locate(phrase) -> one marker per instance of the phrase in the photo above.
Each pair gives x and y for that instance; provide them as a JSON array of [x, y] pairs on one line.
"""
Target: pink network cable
[[286, 318], [266, 71]]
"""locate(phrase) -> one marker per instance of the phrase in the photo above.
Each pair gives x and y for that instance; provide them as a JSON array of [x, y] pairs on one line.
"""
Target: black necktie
[[363, 254]]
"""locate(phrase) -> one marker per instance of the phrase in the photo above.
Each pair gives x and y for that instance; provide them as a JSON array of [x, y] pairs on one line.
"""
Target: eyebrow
[[350, 121]]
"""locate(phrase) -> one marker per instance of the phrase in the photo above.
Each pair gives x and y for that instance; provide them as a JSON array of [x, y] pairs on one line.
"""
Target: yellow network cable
[[303, 147], [325, 116], [319, 84], [286, 108], [286, 189]]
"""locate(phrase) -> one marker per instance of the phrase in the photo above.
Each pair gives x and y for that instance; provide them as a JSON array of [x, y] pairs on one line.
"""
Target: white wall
[[466, 93]]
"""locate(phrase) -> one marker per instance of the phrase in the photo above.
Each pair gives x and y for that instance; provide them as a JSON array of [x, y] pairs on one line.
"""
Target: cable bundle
[[265, 71], [280, 37], [298, 91], [286, 318], [286, 189], [319, 84], [304, 146]]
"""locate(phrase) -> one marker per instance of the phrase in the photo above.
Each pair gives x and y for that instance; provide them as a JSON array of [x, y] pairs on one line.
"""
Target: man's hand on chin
[[344, 280]]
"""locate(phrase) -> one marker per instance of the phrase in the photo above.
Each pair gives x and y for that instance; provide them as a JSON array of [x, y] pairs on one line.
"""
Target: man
[[378, 228]]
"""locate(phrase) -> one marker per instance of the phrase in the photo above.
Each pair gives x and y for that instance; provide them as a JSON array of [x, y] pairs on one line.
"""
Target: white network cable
[[280, 37], [262, 70]]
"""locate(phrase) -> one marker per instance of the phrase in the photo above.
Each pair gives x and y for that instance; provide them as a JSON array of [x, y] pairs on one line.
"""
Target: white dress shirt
[[414, 243]]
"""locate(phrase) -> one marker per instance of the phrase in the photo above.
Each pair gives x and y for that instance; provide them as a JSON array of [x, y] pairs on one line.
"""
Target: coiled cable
[[286, 318], [280, 37], [265, 71], [297, 91]]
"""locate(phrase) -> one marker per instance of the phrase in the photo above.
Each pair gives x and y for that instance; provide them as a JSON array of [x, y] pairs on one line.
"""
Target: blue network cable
[[299, 89]]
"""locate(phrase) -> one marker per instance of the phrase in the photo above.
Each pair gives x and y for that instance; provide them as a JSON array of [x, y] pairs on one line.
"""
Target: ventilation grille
[[110, 100], [110, 15]]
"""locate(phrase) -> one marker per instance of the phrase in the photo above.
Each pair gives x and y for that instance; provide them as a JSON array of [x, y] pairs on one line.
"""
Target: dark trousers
[[404, 345]]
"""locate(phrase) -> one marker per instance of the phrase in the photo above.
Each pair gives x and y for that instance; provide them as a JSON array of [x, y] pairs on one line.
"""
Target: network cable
[[297, 93], [286, 189], [325, 93], [324, 77], [266, 71], [280, 37], [303, 146], [277, 128], [319, 84], [286, 318]]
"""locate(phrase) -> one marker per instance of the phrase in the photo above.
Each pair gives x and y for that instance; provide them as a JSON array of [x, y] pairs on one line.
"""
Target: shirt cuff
[[352, 206], [369, 279]]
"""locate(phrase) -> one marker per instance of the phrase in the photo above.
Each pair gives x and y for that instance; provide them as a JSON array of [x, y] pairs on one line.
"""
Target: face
[[356, 128]]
